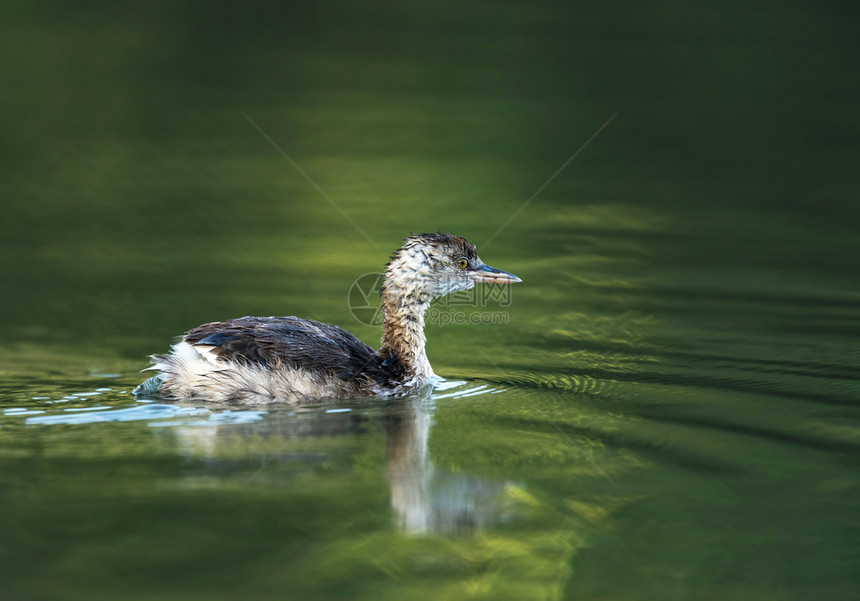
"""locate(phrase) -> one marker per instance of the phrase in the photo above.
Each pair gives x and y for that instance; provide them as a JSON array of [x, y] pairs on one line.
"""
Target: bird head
[[432, 265]]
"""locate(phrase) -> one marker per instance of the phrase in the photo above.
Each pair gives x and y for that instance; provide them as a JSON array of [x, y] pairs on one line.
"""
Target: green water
[[665, 408]]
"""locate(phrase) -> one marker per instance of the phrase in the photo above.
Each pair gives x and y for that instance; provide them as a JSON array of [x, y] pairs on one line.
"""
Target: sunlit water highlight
[[668, 410]]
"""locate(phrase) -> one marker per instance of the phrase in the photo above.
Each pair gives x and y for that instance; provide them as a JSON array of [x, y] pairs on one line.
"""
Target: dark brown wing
[[272, 342]]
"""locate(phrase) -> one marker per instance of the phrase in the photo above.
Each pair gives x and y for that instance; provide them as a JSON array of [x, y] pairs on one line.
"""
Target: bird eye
[[462, 263]]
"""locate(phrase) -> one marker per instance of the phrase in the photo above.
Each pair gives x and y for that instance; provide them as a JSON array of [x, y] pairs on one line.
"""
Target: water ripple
[[86, 415]]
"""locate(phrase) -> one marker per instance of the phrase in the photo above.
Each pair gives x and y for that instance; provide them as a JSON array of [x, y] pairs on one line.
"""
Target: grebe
[[255, 360]]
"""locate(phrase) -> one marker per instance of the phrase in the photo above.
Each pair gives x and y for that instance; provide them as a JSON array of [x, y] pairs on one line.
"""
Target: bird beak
[[490, 275]]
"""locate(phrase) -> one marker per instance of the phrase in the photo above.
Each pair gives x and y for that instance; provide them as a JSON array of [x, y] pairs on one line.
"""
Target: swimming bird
[[255, 360]]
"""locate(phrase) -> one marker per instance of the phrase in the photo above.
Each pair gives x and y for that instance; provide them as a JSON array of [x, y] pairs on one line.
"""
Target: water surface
[[665, 408]]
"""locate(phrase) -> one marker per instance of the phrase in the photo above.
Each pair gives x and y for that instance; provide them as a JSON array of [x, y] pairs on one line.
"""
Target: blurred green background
[[670, 411], [131, 179]]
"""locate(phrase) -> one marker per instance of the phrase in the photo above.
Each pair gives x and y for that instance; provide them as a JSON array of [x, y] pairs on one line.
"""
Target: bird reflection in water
[[430, 498], [425, 498]]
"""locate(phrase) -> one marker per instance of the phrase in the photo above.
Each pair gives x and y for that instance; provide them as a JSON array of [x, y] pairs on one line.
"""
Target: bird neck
[[403, 330]]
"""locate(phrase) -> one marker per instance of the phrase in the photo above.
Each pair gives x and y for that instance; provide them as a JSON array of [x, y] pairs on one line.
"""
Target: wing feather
[[276, 341]]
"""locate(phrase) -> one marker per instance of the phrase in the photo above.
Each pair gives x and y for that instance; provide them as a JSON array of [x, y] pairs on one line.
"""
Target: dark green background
[[674, 408]]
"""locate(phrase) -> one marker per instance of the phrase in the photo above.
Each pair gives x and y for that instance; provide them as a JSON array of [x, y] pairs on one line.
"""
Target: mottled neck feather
[[403, 330]]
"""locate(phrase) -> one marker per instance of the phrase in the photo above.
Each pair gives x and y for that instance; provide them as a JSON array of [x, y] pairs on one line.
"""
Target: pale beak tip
[[491, 275]]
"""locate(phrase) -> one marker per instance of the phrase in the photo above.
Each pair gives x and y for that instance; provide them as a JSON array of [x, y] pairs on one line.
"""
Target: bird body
[[254, 360]]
